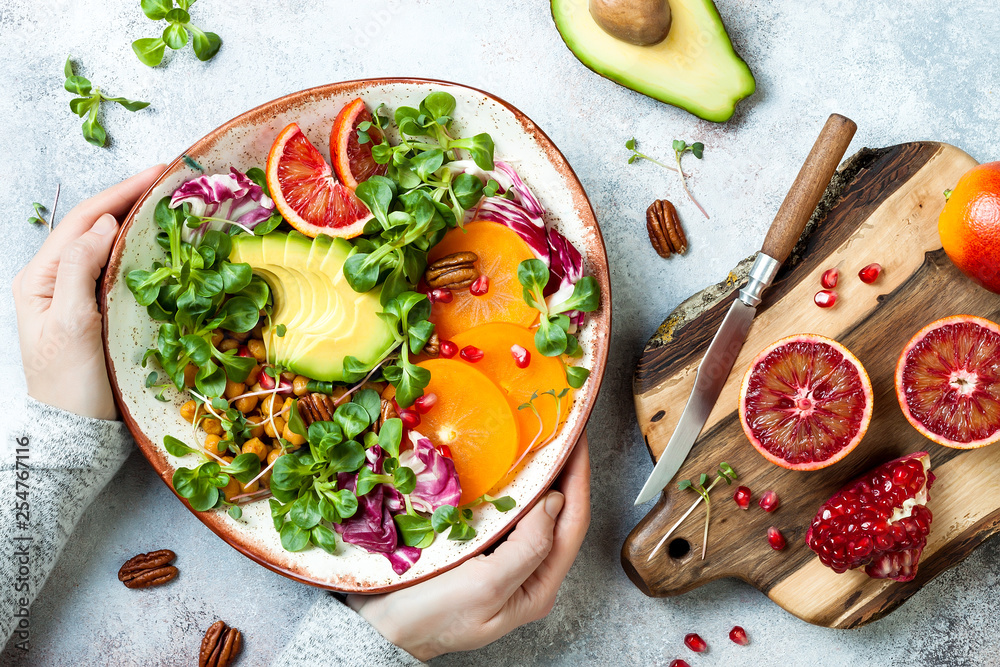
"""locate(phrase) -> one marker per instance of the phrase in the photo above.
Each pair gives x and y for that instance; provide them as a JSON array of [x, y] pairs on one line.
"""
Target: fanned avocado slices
[[694, 68], [324, 319]]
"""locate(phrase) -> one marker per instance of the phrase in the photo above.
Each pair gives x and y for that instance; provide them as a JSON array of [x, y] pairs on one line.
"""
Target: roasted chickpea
[[234, 488], [278, 427], [258, 331], [294, 438], [257, 349], [188, 410], [255, 446], [288, 375], [273, 455], [257, 425], [246, 404], [253, 376], [217, 337], [300, 385], [271, 405], [287, 404], [190, 371], [216, 445], [212, 426], [251, 487], [228, 344], [234, 389], [241, 337]]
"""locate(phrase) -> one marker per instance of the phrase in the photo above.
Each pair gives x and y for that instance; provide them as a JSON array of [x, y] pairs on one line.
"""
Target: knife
[[720, 357]]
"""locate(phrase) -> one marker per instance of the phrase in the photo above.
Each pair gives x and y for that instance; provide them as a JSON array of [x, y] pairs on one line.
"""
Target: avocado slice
[[694, 68], [325, 319]]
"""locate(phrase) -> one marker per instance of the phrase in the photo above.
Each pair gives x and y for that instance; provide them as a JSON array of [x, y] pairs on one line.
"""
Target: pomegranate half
[[880, 521]]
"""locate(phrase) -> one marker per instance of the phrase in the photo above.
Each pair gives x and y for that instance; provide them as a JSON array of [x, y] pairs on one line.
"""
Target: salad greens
[[192, 293], [179, 29], [553, 337], [88, 103]]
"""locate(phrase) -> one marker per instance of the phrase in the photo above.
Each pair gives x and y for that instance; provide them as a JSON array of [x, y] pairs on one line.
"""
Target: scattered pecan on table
[[147, 570], [220, 646], [664, 227], [454, 272]]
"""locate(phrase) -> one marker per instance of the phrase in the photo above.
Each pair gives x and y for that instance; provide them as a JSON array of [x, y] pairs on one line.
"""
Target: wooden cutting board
[[883, 207]]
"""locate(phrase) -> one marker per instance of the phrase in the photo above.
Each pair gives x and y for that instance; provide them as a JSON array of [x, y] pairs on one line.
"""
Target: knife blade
[[784, 233]]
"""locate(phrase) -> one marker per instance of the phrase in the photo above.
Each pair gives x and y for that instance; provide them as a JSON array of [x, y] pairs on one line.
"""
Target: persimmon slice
[[473, 419], [500, 250], [518, 384]]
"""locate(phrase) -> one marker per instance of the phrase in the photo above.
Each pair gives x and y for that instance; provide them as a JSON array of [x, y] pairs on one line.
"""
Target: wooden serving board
[[882, 207]]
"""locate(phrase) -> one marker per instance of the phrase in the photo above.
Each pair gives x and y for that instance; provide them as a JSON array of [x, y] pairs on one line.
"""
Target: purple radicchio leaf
[[437, 480], [231, 196], [372, 527]]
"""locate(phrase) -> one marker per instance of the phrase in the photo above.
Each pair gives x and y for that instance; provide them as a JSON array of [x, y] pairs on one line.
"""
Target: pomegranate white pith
[[879, 522]]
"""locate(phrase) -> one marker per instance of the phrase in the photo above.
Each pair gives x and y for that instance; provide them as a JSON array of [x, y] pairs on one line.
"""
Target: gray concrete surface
[[923, 69]]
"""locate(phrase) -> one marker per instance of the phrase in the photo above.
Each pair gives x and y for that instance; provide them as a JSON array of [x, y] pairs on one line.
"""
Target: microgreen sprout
[[179, 29], [680, 148], [725, 472], [39, 217], [537, 442], [89, 103]]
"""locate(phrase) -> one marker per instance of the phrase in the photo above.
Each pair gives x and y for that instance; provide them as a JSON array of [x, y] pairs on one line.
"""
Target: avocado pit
[[639, 22]]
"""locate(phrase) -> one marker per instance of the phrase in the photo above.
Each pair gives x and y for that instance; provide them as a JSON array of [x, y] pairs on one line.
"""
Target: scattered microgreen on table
[[725, 472], [177, 33], [39, 217], [88, 104], [680, 148]]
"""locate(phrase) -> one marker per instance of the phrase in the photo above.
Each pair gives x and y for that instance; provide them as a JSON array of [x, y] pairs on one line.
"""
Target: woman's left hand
[[58, 322]]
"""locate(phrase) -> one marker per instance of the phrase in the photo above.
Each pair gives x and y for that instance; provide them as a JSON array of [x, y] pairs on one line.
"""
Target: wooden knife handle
[[809, 186]]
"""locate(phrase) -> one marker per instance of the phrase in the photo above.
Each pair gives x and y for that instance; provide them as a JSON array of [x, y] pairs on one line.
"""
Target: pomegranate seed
[[742, 497], [445, 451], [830, 278], [243, 351], [440, 295], [410, 418], [471, 353], [267, 384], [447, 349], [870, 273], [775, 538], [480, 287], [521, 356], [679, 663], [694, 642], [769, 501], [425, 403], [739, 635], [825, 298]]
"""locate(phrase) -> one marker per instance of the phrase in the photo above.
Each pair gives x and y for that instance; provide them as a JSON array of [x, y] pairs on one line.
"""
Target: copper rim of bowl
[[596, 255]]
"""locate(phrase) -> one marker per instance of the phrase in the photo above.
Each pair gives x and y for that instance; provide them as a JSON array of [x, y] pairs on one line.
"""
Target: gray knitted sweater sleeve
[[55, 466]]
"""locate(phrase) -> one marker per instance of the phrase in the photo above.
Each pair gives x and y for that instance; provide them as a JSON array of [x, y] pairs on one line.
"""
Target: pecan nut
[[664, 227], [220, 646], [454, 271], [433, 345], [387, 412], [316, 407], [147, 570]]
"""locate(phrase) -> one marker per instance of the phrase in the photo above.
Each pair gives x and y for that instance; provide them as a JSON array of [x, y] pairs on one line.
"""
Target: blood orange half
[[307, 193], [948, 381], [352, 160], [806, 402]]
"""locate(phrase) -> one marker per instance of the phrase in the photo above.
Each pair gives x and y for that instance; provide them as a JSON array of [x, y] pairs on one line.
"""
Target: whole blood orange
[[806, 402], [969, 225], [499, 250], [473, 419], [307, 193], [948, 381], [541, 374], [351, 159]]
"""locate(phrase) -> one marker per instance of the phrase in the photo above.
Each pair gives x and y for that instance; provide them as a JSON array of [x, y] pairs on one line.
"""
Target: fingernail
[[106, 224], [554, 504]]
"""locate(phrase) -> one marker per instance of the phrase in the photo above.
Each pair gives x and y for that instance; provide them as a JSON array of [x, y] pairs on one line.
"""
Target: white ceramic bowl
[[243, 143]]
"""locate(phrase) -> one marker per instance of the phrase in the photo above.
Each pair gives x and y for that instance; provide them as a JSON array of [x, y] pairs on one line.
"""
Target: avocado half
[[694, 68], [325, 319]]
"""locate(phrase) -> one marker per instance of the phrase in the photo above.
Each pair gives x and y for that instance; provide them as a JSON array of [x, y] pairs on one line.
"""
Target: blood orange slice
[[948, 381], [806, 402], [307, 193], [352, 160]]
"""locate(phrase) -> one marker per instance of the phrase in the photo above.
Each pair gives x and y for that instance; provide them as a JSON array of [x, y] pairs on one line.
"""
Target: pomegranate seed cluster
[[854, 528]]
